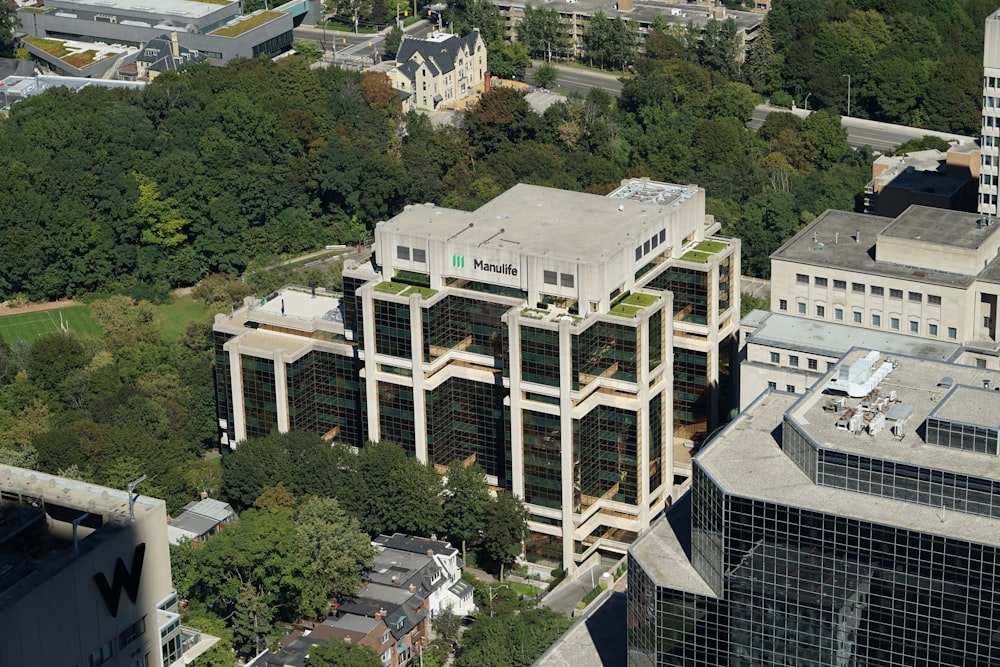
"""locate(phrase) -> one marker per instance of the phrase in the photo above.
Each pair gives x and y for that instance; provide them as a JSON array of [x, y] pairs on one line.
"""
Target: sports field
[[28, 326]]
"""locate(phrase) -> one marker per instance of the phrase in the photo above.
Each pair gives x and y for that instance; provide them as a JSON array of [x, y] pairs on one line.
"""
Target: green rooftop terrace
[[402, 289], [247, 24], [632, 304], [701, 252]]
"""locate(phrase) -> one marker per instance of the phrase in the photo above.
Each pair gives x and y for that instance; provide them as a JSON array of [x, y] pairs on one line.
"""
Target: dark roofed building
[[439, 69], [163, 54]]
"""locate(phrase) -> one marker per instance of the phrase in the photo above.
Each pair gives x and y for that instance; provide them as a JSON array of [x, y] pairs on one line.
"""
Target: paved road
[[574, 79], [564, 597], [349, 45], [882, 137]]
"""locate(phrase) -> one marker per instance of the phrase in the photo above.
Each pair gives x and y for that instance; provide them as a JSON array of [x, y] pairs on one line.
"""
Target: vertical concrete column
[[417, 359], [566, 442], [236, 387], [371, 368], [281, 390], [642, 376], [516, 418]]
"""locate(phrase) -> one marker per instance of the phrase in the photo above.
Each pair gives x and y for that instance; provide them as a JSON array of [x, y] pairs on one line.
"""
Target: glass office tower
[[856, 525], [575, 346]]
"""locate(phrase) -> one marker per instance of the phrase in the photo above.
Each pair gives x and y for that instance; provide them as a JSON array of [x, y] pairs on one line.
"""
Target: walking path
[[37, 307]]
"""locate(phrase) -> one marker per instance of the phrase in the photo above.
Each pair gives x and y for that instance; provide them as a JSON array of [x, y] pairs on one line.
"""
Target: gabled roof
[[159, 53], [416, 545], [438, 54]]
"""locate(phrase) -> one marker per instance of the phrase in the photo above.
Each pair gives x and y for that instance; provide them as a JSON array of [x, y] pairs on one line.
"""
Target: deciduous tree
[[505, 530]]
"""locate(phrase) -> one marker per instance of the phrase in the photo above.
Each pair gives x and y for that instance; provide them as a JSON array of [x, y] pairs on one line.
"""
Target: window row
[[857, 317], [554, 278], [874, 290], [643, 249], [793, 360], [418, 254]]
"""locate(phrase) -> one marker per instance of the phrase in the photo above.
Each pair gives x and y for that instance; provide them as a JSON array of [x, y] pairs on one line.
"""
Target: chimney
[[380, 614], [174, 44], [857, 236], [413, 588], [347, 639], [204, 495], [430, 553]]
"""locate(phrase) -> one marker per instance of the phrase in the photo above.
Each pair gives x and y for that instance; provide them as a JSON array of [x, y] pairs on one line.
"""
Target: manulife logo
[[458, 261]]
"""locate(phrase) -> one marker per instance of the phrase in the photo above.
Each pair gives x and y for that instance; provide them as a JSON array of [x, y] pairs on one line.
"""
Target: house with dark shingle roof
[[439, 69], [162, 54]]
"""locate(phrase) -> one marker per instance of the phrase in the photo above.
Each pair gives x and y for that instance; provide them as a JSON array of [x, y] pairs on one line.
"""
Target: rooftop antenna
[[132, 495]]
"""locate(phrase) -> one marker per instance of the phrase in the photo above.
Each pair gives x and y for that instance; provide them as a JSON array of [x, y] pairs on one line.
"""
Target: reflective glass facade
[[605, 444], [540, 356], [464, 324], [324, 397], [260, 403], [395, 415], [223, 383], [465, 423], [692, 293], [691, 393], [605, 350], [542, 468], [392, 329]]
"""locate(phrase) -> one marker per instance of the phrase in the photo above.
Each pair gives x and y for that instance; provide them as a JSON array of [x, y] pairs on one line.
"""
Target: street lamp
[[848, 93], [548, 48], [491, 589], [806, 102]]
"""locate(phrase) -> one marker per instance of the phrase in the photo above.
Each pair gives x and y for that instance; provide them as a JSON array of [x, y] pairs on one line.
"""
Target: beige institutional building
[[576, 346], [928, 273], [84, 576]]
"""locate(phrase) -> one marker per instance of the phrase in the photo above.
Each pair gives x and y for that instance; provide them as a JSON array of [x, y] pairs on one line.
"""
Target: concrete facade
[[576, 346], [990, 140], [82, 582], [929, 273], [219, 31]]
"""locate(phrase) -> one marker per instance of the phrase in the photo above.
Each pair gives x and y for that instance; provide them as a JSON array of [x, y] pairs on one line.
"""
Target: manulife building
[[578, 347]]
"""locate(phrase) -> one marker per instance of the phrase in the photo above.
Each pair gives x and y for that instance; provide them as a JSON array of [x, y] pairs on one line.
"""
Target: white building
[[575, 346], [989, 170], [84, 576], [439, 69]]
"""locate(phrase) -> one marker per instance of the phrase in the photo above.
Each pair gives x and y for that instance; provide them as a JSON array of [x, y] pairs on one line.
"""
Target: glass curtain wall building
[[856, 525], [539, 336]]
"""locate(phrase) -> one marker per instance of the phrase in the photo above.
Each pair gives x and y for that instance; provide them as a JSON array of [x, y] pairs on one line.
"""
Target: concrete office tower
[[990, 144], [575, 346], [82, 580], [854, 525]]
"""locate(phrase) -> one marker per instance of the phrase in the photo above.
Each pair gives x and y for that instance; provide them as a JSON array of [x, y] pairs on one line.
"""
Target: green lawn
[[711, 246], [29, 326], [176, 315], [696, 256]]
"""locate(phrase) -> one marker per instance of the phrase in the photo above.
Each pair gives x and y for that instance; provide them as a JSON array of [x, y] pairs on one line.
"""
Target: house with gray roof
[[163, 54], [439, 69]]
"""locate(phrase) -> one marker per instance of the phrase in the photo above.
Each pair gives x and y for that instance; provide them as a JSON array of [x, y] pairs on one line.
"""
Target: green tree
[[546, 74], [159, 219], [395, 492], [8, 24], [508, 60], [468, 15], [309, 49], [466, 502], [393, 38], [252, 620], [335, 552], [762, 69], [338, 653], [542, 31], [126, 322], [610, 42], [55, 356], [505, 529], [515, 638], [735, 100]]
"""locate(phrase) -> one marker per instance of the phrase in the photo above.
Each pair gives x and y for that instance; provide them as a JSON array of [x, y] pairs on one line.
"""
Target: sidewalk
[[564, 597]]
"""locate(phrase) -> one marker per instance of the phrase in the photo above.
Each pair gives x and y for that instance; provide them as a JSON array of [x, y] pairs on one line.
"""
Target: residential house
[[200, 520], [439, 69], [404, 613], [426, 567], [162, 54]]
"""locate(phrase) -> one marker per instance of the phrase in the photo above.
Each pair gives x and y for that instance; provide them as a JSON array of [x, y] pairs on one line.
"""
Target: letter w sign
[[122, 579]]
